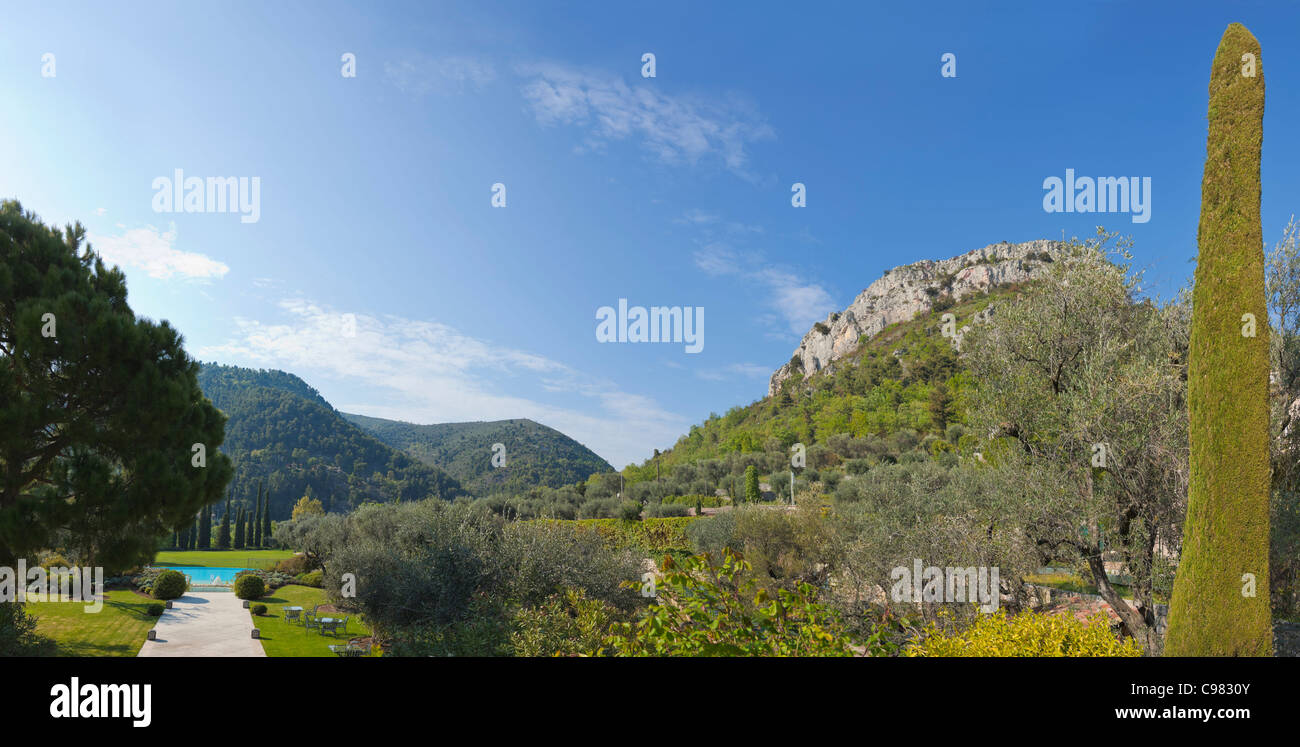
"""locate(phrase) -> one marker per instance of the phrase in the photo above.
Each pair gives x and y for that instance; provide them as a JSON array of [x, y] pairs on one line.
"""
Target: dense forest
[[280, 431], [532, 454]]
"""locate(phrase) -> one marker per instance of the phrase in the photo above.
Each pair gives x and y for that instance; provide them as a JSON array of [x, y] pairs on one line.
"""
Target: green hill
[[535, 455], [281, 431]]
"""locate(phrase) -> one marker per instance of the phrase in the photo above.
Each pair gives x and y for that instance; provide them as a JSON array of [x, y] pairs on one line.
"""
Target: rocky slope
[[904, 291]]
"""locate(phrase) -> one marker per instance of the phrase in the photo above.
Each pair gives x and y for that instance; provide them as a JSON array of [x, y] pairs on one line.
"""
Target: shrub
[[629, 511], [168, 584], [249, 586], [294, 566], [310, 579], [707, 611], [1027, 634], [18, 635], [664, 510], [566, 624], [259, 609], [54, 560], [155, 609]]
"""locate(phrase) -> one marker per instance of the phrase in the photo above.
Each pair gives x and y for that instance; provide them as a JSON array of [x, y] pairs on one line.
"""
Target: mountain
[[879, 378], [281, 431], [903, 292], [535, 455]]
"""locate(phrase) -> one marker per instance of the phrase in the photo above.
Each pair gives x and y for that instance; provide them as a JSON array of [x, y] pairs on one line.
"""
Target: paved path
[[205, 624]]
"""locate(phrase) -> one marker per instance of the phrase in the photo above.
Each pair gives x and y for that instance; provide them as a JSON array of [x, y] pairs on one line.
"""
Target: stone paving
[[204, 624]]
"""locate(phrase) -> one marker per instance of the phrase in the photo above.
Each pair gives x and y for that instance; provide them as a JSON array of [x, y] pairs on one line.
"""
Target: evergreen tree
[[194, 534], [256, 533], [205, 528], [78, 463], [266, 521], [176, 539], [239, 529], [1215, 609], [752, 492], [223, 538]]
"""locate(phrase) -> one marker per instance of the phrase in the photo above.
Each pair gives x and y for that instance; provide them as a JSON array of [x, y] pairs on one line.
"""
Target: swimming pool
[[206, 576]]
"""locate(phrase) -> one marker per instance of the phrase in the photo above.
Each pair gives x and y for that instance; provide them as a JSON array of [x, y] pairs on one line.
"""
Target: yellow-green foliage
[[1027, 634], [566, 624], [1226, 531], [648, 534]]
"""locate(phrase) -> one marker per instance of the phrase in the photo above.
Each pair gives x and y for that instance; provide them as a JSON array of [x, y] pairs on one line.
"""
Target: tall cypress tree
[[205, 528], [257, 520], [194, 534], [176, 539], [1216, 610], [239, 529], [266, 520], [223, 538]]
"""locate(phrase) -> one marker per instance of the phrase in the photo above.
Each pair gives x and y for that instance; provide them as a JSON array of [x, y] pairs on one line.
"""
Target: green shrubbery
[[310, 579], [1027, 634], [169, 584], [249, 586], [568, 623], [706, 610], [155, 609], [258, 609]]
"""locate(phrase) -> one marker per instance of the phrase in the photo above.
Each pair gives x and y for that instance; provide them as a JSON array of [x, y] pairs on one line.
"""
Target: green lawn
[[280, 638], [119, 629], [222, 558]]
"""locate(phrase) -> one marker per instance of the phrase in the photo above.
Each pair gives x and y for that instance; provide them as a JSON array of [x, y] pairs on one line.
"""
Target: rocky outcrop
[[904, 291]]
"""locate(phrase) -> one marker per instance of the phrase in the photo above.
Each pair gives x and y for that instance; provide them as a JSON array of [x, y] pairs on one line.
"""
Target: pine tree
[[1215, 609], [223, 538], [239, 529], [205, 528]]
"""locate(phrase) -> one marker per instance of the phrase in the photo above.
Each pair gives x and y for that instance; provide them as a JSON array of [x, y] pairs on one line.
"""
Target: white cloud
[[798, 303], [675, 128], [420, 74], [742, 370], [427, 372], [153, 251], [100, 211]]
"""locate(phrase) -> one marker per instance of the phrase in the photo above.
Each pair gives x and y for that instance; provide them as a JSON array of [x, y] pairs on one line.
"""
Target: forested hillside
[[281, 431], [534, 455]]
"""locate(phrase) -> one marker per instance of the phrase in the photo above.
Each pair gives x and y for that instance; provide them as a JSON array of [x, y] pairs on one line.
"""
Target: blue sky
[[375, 191]]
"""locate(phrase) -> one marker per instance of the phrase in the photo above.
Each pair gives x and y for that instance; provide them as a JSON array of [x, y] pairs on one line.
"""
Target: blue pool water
[[202, 576]]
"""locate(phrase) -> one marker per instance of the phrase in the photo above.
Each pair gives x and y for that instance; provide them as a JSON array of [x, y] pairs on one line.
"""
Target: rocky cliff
[[904, 291]]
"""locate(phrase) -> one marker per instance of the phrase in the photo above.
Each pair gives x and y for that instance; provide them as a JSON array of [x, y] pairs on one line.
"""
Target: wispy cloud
[[427, 372], [677, 129], [152, 250], [419, 74], [735, 370], [796, 302]]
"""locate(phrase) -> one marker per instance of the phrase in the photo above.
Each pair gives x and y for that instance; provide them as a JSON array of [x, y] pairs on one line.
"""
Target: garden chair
[[293, 615], [309, 621]]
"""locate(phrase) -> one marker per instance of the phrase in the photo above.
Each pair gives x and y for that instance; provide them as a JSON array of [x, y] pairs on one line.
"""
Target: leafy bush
[[629, 511], [566, 624], [310, 579], [704, 610], [249, 586], [296, 565], [259, 609], [1027, 634], [168, 584], [18, 632], [663, 510], [155, 609]]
